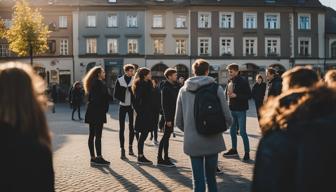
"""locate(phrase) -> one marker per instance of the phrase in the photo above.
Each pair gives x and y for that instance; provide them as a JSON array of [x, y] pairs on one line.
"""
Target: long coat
[[143, 105], [98, 103]]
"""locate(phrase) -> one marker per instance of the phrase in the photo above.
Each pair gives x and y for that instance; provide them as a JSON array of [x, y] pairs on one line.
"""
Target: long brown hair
[[23, 101], [90, 77], [140, 77]]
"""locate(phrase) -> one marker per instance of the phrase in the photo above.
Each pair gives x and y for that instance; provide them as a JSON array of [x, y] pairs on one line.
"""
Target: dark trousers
[[95, 132], [155, 129], [123, 110], [164, 143], [74, 109], [162, 122], [258, 104], [141, 142]]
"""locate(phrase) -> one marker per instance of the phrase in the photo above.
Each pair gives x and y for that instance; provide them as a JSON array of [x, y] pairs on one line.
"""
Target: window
[[51, 46], [132, 21], [226, 46], [132, 46], [333, 50], [4, 50], [250, 20], [91, 19], [181, 47], [272, 47], [181, 21], [112, 46], [91, 45], [304, 21], [272, 20], [304, 46], [157, 21], [204, 46], [158, 46], [226, 20], [63, 22], [204, 20], [250, 46], [112, 20], [64, 48], [112, 1]]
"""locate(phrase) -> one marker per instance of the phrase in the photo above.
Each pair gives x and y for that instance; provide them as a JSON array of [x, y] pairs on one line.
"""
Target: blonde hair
[[90, 77]]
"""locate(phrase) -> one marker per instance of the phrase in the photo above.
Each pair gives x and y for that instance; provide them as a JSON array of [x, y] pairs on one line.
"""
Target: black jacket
[[120, 89], [258, 91], [25, 164], [242, 89], [76, 96], [274, 86], [169, 94], [98, 103], [157, 100], [297, 159]]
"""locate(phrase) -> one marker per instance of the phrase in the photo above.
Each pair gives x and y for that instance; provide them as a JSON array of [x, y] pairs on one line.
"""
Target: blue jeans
[[239, 120], [209, 165]]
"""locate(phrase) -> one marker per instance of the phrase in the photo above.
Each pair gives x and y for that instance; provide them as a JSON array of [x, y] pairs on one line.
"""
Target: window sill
[[112, 27], [90, 27], [133, 27], [157, 27], [181, 27]]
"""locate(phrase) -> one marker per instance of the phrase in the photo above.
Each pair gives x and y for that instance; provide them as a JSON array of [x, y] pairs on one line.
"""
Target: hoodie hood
[[194, 83]]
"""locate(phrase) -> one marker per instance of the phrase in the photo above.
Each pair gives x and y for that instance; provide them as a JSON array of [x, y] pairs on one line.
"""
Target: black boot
[[123, 155]]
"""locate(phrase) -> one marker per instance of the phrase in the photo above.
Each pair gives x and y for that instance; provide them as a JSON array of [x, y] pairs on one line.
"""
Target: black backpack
[[209, 116]]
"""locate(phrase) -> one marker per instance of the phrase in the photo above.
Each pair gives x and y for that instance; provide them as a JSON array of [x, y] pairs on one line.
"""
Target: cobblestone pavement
[[74, 173]]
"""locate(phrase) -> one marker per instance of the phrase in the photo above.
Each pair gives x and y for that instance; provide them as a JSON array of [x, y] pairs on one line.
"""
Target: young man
[[203, 150], [238, 93], [169, 94], [274, 84], [124, 94]]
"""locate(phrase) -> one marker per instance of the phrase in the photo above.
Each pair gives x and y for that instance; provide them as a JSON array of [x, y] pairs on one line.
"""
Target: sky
[[329, 3]]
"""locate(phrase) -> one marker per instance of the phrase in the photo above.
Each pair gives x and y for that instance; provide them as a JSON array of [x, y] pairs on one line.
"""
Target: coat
[[123, 90], [195, 144], [98, 103], [26, 164], [242, 89], [76, 96], [168, 100], [143, 105], [274, 86], [258, 92]]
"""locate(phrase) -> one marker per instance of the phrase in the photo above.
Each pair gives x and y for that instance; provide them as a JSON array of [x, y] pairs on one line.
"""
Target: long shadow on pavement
[[233, 182], [175, 174]]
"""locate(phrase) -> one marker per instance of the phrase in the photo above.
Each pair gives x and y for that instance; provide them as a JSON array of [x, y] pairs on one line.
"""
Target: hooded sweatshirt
[[195, 144]]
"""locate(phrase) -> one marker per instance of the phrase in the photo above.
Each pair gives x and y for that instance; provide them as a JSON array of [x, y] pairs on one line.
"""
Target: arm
[[179, 112], [225, 107], [117, 90], [166, 106], [245, 93]]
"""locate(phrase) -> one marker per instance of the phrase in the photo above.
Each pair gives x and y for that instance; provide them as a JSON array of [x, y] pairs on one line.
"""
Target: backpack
[[209, 117]]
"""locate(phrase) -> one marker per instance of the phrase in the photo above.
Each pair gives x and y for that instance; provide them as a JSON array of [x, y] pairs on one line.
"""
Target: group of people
[[296, 112]]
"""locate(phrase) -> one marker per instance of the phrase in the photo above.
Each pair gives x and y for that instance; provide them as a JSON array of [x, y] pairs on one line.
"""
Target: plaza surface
[[74, 173]]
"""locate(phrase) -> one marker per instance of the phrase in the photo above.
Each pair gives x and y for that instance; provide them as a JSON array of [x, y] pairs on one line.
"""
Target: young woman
[[156, 108], [76, 97], [143, 101], [98, 104], [26, 164], [258, 93]]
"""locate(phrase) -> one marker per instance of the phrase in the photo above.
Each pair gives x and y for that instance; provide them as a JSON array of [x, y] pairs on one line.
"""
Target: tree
[[2, 29], [28, 34]]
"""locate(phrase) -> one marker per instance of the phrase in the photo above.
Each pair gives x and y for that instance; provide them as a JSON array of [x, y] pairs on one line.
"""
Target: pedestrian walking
[[274, 84], [202, 142], [124, 94], [330, 78], [238, 93], [76, 99], [54, 96], [26, 164], [258, 93], [169, 94], [156, 109], [97, 107], [143, 100]]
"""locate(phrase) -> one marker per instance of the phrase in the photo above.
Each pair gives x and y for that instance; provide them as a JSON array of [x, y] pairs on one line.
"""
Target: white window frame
[[299, 21], [132, 50], [277, 46], [92, 21], [91, 45], [63, 21], [277, 20], [221, 52], [200, 23], [255, 47], [157, 21], [225, 24], [110, 21], [160, 49], [309, 45], [132, 21], [111, 50], [331, 41], [209, 45], [112, 1], [185, 21], [245, 23], [64, 47], [180, 48]]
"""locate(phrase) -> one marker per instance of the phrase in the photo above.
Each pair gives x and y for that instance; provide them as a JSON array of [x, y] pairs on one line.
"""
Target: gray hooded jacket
[[194, 143]]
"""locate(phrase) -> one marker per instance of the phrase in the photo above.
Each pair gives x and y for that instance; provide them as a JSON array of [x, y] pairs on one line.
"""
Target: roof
[[295, 3]]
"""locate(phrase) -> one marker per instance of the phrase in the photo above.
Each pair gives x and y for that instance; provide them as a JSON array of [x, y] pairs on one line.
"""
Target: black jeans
[[258, 104], [95, 132], [123, 110], [74, 108], [141, 142], [164, 143], [162, 122], [155, 129]]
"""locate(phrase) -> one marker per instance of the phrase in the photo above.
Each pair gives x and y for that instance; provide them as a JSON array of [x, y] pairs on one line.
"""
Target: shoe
[[144, 161], [100, 161], [155, 142], [231, 153], [80, 118], [73, 119], [165, 163], [123, 155], [218, 171], [246, 157], [131, 151], [151, 137]]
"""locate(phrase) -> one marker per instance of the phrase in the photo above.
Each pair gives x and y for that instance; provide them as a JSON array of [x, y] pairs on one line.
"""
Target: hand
[[169, 124], [233, 95]]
